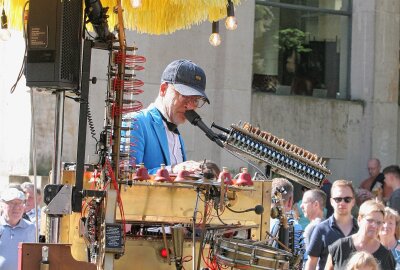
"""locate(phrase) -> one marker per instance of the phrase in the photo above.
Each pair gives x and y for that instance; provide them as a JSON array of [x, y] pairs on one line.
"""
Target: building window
[[302, 47]]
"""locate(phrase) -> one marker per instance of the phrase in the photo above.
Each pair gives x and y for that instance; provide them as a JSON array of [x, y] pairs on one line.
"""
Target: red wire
[[129, 58], [110, 172]]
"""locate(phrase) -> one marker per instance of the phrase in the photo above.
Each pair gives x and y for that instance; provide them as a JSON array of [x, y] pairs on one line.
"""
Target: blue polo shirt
[[324, 235], [24, 231]]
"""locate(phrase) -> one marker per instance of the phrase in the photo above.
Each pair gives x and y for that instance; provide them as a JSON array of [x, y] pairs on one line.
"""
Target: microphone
[[258, 209], [195, 120]]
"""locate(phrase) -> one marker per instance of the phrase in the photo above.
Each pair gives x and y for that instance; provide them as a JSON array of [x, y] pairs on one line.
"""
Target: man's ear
[[163, 89]]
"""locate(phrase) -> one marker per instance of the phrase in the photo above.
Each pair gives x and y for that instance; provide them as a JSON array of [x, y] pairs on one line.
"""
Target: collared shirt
[[32, 215], [10, 236], [324, 235], [174, 144], [174, 147]]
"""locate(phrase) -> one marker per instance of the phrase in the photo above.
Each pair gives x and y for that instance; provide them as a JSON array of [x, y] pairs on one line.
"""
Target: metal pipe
[[56, 165], [194, 229], [33, 144]]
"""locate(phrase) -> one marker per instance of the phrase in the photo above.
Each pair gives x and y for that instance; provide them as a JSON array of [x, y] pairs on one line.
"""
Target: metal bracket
[[58, 199]]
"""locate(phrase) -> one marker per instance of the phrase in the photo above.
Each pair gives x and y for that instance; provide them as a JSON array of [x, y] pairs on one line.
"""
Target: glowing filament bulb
[[215, 38], [231, 21]]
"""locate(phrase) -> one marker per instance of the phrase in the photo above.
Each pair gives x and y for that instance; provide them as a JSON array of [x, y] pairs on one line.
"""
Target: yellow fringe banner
[[152, 17]]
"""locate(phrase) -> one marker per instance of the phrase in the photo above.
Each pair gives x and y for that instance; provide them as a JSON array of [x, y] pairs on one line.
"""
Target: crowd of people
[[364, 229], [340, 227]]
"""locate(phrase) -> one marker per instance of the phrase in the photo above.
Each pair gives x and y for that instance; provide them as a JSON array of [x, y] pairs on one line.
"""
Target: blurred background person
[[362, 261], [29, 189], [285, 188], [298, 211], [392, 179], [326, 187], [362, 195], [375, 182], [313, 204], [13, 228], [388, 234]]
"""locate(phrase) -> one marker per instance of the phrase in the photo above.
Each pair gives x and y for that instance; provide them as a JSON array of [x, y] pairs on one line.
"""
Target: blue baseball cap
[[188, 78]]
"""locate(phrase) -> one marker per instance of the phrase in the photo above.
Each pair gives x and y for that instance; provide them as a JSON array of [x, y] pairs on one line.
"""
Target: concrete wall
[[328, 127], [375, 76]]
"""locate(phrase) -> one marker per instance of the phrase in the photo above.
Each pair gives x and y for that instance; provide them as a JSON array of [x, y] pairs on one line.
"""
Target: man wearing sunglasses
[[155, 136], [339, 225]]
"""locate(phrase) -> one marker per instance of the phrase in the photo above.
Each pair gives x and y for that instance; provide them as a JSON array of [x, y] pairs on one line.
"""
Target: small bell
[[182, 175], [226, 176], [244, 178], [162, 175], [141, 173]]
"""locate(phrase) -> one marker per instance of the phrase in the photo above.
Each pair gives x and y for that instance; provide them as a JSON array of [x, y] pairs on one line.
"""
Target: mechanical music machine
[[126, 219]]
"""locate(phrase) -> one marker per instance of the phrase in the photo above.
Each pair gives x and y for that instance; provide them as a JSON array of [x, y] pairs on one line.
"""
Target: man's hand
[[189, 165]]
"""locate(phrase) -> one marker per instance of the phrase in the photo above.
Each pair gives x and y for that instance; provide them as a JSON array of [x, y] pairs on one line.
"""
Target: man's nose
[[190, 106]]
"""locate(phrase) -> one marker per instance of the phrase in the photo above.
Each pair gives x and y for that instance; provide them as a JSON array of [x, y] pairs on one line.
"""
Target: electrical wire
[[219, 217], [21, 71], [91, 124]]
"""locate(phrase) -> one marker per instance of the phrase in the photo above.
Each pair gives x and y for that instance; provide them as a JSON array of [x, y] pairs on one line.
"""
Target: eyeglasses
[[197, 101], [345, 199], [373, 221], [307, 202]]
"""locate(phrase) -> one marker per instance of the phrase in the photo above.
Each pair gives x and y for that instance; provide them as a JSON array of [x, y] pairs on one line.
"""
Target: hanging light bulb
[[215, 38], [231, 21], [136, 3], [4, 32]]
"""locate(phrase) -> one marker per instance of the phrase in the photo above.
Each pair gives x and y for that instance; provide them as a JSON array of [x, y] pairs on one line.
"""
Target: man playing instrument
[[156, 137]]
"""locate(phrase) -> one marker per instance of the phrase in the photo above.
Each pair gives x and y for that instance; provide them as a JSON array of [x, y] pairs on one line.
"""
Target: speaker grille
[[54, 44], [72, 17]]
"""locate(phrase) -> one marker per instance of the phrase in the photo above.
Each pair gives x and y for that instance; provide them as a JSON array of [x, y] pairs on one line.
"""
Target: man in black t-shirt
[[370, 220]]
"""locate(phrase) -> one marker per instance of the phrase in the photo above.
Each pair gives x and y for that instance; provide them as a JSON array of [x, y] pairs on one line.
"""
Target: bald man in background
[[376, 180]]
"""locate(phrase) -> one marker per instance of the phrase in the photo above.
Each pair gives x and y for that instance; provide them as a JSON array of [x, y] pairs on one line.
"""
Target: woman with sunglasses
[[388, 233], [370, 220]]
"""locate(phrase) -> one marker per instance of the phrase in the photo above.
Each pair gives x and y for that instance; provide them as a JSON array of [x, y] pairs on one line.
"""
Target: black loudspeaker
[[54, 44]]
